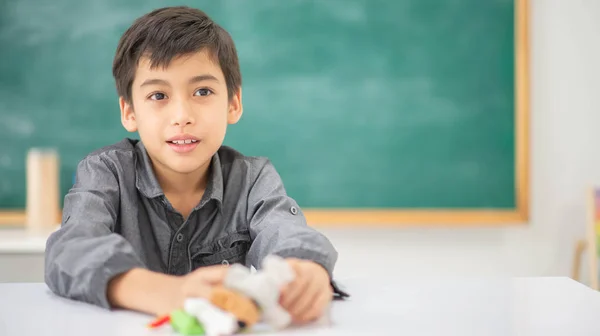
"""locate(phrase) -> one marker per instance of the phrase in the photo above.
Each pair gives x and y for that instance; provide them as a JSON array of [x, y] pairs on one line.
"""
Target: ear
[[235, 107], [127, 115]]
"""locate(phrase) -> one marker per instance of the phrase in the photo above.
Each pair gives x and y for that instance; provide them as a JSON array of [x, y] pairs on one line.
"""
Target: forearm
[[146, 291]]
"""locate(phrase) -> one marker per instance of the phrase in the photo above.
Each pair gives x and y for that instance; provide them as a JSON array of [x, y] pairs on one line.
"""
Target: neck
[[182, 183]]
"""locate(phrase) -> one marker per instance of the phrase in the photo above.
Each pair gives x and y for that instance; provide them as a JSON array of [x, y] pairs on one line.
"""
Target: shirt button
[[294, 210], [180, 237]]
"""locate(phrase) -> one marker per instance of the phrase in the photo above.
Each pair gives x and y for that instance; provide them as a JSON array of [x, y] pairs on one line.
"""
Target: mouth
[[183, 144]]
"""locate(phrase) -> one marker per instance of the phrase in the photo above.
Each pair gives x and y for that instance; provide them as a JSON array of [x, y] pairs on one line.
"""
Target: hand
[[159, 294], [309, 294], [200, 282]]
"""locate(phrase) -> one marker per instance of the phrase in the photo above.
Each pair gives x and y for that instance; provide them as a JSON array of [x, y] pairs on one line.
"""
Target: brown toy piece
[[240, 306]]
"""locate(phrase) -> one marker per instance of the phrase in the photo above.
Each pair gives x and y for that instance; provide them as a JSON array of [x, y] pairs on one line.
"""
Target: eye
[[203, 92], [158, 96]]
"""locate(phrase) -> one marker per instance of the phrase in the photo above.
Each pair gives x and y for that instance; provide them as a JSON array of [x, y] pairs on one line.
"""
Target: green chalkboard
[[358, 103]]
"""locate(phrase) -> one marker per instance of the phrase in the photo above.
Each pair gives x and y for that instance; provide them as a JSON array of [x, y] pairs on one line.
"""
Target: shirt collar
[[148, 185]]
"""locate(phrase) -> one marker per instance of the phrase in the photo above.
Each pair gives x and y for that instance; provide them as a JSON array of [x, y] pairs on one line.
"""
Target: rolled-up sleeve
[[85, 252], [278, 225]]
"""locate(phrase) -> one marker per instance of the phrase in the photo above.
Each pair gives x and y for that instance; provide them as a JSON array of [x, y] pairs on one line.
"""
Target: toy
[[264, 287], [159, 321], [199, 317], [185, 323], [245, 298], [242, 307], [216, 322]]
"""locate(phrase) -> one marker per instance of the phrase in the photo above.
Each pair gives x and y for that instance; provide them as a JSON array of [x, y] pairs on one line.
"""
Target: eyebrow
[[195, 79]]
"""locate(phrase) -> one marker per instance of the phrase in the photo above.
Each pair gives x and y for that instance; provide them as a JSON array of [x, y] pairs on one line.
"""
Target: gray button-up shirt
[[116, 217]]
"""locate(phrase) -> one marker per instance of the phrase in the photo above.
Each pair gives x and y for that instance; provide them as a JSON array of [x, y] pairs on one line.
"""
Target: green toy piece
[[185, 323]]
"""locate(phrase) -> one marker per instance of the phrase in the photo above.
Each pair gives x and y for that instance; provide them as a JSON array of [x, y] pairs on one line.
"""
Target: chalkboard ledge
[[431, 217]]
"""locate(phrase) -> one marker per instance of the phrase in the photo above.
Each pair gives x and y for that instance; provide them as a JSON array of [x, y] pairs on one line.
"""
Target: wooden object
[[42, 190]]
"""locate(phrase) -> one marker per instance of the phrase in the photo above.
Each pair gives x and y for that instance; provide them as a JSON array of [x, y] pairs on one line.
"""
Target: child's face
[[186, 102]]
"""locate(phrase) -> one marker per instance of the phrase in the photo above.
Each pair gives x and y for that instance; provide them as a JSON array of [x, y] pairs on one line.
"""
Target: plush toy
[[264, 287], [242, 307], [184, 323], [216, 322], [246, 298]]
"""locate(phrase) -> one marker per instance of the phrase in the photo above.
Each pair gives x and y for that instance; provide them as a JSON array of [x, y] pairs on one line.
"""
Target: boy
[[150, 223]]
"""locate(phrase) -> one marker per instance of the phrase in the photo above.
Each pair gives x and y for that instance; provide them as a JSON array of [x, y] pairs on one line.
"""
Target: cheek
[[217, 124], [148, 124], [216, 116]]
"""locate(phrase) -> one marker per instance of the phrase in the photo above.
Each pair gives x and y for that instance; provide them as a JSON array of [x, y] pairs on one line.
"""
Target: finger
[[200, 282], [307, 299], [198, 289], [213, 275], [318, 307], [294, 291]]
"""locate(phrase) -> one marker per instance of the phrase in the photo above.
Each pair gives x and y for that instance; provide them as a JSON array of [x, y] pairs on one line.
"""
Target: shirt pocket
[[231, 249]]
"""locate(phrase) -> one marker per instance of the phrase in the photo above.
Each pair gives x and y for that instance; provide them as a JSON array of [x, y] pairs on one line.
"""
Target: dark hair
[[166, 33]]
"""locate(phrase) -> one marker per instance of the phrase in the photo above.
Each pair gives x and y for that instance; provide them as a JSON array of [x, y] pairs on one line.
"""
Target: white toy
[[264, 287], [216, 322]]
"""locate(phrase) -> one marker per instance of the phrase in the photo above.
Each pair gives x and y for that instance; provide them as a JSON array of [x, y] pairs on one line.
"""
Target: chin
[[185, 168]]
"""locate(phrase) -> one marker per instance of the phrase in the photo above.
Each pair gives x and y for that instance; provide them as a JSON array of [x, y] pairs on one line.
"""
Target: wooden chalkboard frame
[[438, 217], [464, 217]]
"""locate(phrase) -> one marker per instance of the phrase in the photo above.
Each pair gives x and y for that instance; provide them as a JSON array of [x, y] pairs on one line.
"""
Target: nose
[[182, 114]]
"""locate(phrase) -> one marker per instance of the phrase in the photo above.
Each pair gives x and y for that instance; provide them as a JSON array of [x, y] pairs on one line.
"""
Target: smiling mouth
[[182, 142], [183, 146]]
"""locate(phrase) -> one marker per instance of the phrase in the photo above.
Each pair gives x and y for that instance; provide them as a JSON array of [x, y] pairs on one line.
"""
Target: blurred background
[[389, 105]]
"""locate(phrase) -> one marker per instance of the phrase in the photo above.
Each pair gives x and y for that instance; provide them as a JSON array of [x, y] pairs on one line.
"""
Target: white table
[[414, 306]]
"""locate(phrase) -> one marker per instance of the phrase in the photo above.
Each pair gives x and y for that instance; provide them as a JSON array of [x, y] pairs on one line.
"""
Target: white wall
[[21, 267], [565, 78], [565, 159]]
